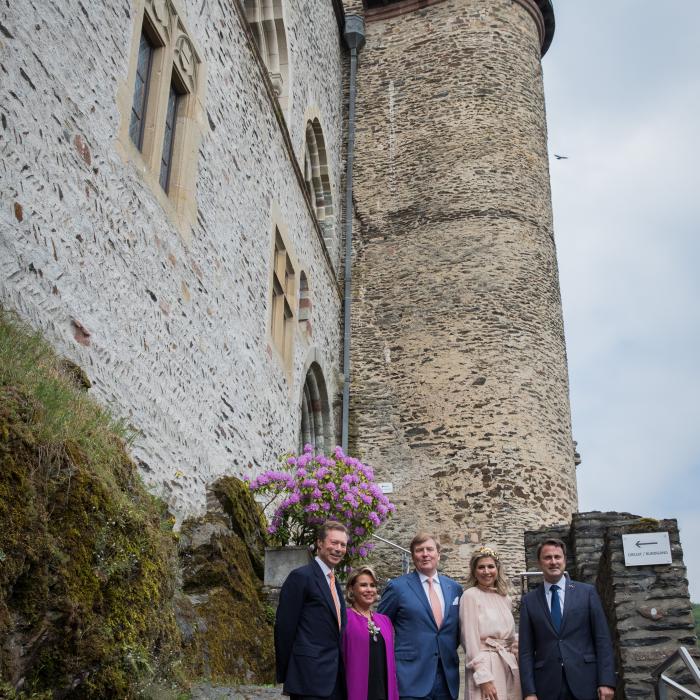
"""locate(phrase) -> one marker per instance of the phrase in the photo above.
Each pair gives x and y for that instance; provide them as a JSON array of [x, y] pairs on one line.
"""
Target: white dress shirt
[[437, 587], [325, 568], [561, 592]]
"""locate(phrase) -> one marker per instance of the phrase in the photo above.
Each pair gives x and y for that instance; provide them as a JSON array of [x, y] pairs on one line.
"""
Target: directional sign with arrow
[[647, 549]]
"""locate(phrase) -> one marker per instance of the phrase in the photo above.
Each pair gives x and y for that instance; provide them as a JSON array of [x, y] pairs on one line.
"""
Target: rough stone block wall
[[460, 388], [174, 335], [648, 607], [651, 604]]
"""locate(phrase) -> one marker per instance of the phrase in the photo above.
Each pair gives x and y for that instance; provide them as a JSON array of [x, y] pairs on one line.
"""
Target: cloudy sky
[[623, 103]]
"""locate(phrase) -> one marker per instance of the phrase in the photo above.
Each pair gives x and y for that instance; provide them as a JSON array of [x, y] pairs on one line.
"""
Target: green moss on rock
[[246, 518], [88, 558], [88, 561], [224, 617]]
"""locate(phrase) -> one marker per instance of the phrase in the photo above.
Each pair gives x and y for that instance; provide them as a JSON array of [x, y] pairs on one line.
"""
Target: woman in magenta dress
[[368, 642]]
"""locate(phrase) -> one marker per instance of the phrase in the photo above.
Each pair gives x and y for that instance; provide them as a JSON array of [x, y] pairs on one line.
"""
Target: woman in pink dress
[[368, 642], [488, 631]]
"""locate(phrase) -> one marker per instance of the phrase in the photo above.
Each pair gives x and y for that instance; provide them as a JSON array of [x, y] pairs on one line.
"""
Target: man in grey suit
[[424, 609], [565, 648]]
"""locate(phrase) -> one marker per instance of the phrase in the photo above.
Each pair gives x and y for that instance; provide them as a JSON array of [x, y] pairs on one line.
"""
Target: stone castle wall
[[460, 389], [173, 331]]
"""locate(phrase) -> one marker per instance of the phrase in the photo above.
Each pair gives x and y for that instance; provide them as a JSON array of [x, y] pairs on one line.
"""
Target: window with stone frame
[[142, 84], [164, 116], [266, 21], [315, 420], [317, 178], [176, 98], [305, 305], [283, 300]]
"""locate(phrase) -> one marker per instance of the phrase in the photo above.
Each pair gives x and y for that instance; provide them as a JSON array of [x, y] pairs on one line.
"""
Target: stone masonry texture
[[459, 380], [174, 335], [460, 389]]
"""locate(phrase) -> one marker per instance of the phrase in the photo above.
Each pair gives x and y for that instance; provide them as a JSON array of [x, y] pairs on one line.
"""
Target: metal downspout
[[354, 35]]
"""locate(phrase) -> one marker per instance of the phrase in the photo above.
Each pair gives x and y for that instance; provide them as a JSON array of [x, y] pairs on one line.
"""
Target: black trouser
[[337, 694]]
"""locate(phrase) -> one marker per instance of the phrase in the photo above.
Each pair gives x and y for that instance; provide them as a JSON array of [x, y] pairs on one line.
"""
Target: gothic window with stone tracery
[[165, 111]]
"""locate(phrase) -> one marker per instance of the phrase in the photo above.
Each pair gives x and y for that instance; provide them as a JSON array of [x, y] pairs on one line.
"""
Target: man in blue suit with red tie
[[565, 648], [424, 609], [309, 623]]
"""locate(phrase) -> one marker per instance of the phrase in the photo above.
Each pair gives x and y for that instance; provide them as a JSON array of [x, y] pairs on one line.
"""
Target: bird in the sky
[[558, 157]]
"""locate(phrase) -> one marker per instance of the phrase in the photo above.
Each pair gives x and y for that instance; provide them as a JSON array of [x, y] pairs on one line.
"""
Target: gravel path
[[206, 691]]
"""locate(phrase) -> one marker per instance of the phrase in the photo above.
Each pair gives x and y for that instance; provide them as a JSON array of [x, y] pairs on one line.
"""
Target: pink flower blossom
[[311, 488]]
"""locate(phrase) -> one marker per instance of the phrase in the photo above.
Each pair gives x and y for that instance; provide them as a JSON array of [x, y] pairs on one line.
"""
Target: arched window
[[266, 22], [315, 412], [305, 304], [316, 176]]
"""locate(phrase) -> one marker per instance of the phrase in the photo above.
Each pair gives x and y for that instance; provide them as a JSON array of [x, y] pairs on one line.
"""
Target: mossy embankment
[[91, 596], [225, 621], [88, 557]]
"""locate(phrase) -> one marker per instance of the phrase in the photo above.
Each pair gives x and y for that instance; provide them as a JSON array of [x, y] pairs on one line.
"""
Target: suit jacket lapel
[[570, 600], [417, 588], [542, 598], [448, 593]]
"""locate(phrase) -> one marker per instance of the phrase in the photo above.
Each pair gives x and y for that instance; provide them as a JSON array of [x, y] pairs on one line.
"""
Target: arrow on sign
[[643, 544]]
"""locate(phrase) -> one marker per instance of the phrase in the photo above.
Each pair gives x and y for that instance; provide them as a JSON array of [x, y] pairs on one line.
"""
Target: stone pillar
[[649, 606], [460, 390]]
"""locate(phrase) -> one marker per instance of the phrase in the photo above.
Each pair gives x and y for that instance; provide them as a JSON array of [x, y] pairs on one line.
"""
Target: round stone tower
[[460, 392]]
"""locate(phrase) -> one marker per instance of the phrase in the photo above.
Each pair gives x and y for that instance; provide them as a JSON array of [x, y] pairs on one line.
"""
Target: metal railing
[[405, 553], [662, 682]]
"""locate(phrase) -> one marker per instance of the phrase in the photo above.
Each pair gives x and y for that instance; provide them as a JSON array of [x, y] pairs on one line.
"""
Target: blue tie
[[556, 608]]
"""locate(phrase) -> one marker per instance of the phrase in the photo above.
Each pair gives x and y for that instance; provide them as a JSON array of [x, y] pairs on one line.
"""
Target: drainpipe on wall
[[354, 35]]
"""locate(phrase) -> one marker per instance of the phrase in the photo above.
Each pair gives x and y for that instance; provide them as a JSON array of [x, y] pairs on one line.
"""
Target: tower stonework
[[460, 391]]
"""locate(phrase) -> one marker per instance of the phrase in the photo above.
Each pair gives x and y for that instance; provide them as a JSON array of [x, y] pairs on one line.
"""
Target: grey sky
[[622, 81]]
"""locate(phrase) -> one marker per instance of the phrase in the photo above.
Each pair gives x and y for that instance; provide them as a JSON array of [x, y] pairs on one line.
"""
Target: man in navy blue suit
[[424, 609], [565, 648], [309, 623]]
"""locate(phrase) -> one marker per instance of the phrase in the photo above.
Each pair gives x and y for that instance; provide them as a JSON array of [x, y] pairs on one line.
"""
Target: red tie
[[334, 593], [435, 603]]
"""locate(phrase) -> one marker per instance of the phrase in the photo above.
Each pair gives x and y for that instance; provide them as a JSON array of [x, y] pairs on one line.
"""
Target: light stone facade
[[171, 326], [459, 381]]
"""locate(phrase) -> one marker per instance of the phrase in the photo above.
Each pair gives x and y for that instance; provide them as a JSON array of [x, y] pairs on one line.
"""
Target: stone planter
[[279, 561]]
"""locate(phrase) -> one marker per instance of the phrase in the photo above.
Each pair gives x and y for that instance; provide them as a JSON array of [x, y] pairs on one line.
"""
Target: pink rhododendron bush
[[311, 488]]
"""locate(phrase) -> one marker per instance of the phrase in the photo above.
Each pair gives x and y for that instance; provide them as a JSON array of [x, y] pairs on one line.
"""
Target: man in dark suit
[[565, 648], [309, 623], [424, 609]]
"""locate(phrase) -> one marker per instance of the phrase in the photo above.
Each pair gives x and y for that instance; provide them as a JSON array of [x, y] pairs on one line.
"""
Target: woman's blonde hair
[[356, 573], [502, 586]]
